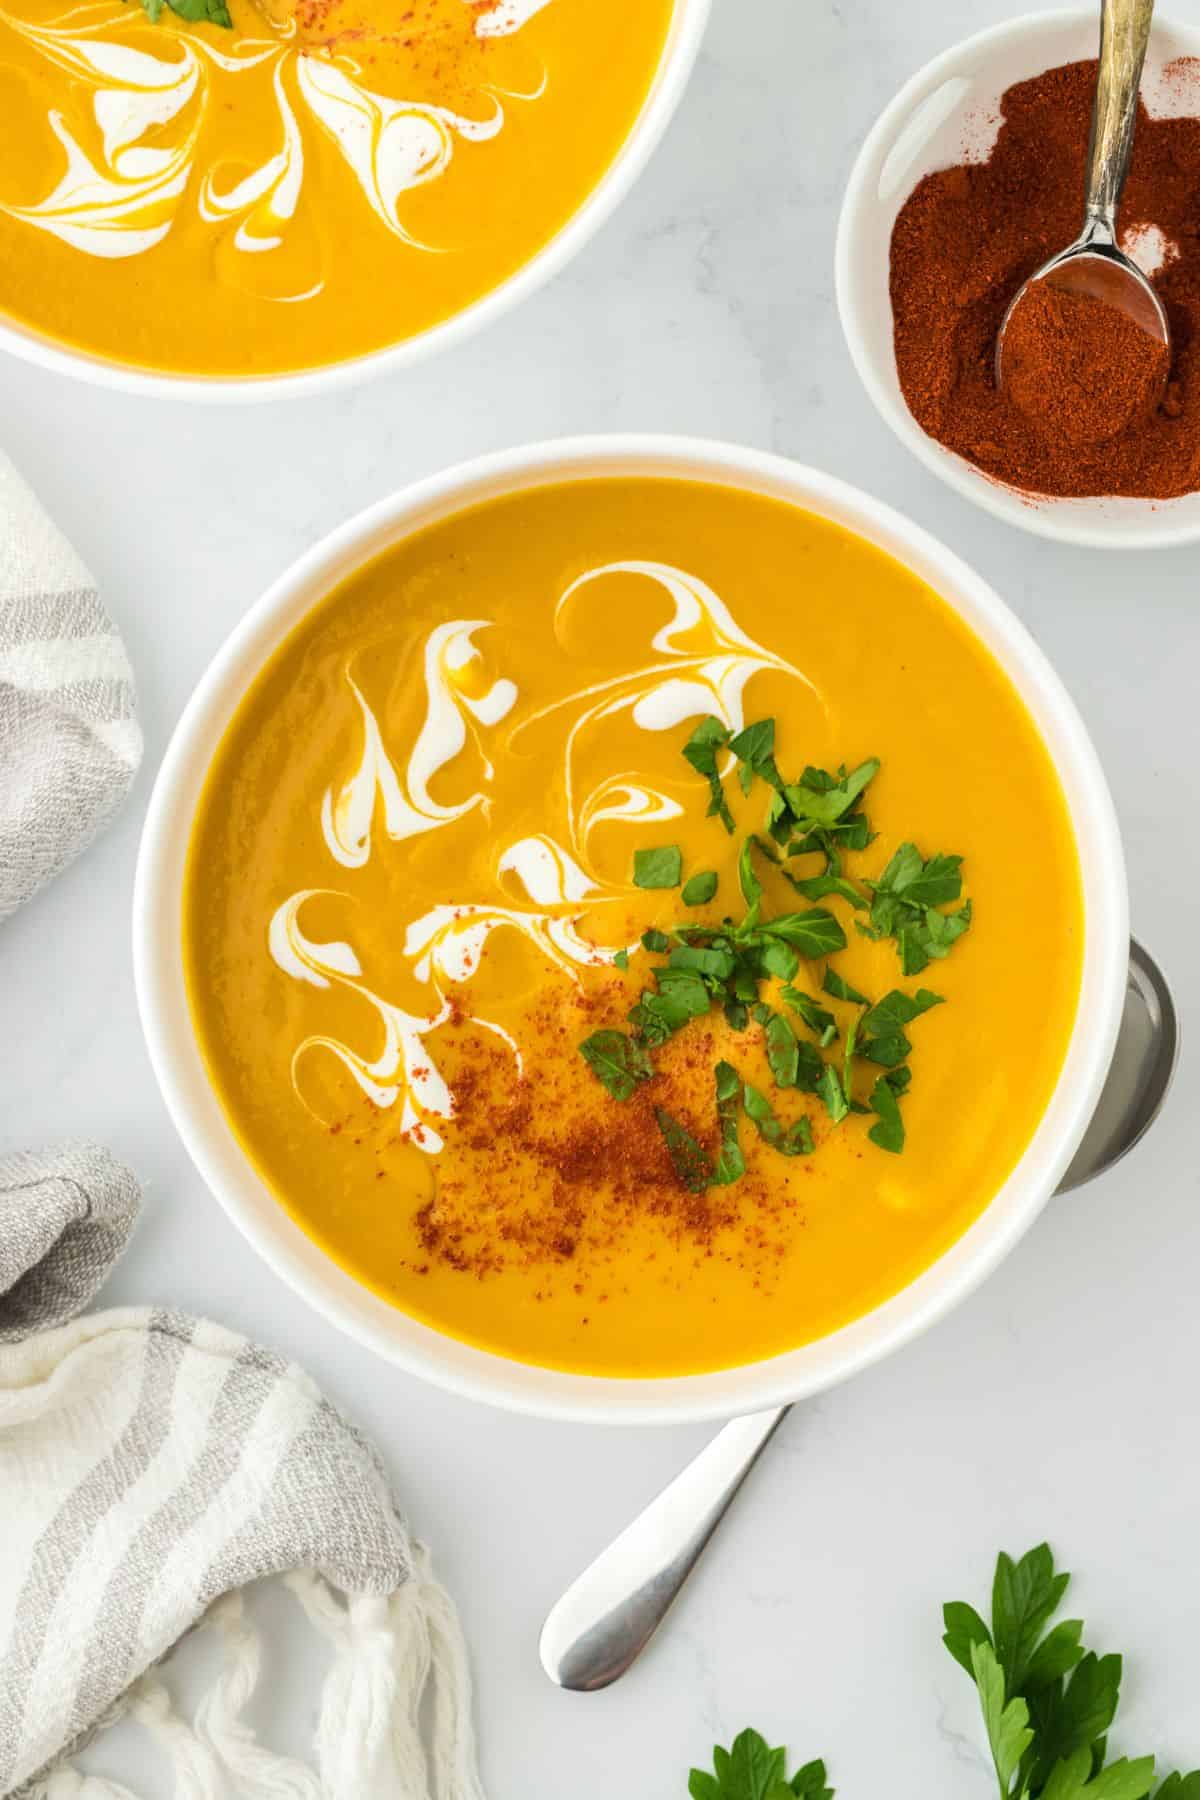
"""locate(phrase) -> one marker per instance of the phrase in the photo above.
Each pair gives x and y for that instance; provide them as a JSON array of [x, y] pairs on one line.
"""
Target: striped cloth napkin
[[153, 1464], [69, 741]]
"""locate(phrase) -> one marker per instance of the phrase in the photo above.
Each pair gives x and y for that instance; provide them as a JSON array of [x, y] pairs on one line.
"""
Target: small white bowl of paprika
[[950, 289]]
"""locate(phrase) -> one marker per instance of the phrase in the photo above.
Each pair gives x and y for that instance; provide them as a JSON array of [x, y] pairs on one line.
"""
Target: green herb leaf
[[731, 1164], [621, 960], [931, 938], [684, 988], [821, 887], [809, 1783], [809, 1068], [841, 989], [1074, 1716], [783, 1051], [818, 1018], [1025, 1595], [212, 12], [818, 797], [898, 1009], [620, 1062], [779, 959], [717, 963], [754, 748], [964, 1629], [790, 1140], [1006, 1721], [888, 1051], [814, 933], [681, 996], [1055, 1656], [701, 749], [698, 890], [750, 885], [692, 1162], [658, 868], [1072, 1779], [656, 941], [830, 1088], [889, 1132]]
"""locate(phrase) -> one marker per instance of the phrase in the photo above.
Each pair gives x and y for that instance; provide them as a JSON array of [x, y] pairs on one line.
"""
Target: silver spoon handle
[[1124, 35], [606, 1617]]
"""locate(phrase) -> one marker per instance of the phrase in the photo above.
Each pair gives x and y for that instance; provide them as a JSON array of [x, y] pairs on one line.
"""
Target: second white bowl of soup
[[290, 192], [585, 936]]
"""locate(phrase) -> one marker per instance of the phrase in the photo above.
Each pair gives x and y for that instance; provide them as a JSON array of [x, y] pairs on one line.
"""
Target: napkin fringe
[[396, 1659]]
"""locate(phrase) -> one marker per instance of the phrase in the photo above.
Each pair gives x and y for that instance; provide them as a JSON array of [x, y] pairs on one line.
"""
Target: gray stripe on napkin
[[70, 1532], [73, 613], [111, 1662]]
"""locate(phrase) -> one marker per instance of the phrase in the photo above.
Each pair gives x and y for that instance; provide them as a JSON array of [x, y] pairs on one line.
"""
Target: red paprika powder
[[969, 236]]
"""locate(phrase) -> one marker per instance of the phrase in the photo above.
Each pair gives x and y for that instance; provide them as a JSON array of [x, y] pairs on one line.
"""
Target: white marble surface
[[1059, 1401]]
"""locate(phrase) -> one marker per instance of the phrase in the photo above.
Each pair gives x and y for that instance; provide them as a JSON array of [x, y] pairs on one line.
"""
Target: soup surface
[[313, 180], [449, 808]]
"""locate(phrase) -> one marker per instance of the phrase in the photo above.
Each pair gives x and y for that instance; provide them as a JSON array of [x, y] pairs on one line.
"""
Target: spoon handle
[[1124, 34], [606, 1618]]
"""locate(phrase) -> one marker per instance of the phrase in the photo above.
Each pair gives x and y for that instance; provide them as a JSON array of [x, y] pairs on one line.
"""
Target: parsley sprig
[[751, 1770], [1047, 1702]]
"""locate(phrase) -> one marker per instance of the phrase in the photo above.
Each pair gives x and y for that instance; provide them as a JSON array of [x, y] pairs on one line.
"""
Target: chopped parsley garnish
[[790, 1140], [701, 750], [724, 966], [818, 1018], [731, 1164], [905, 906], [661, 868], [618, 1060], [889, 1132], [692, 1163], [834, 985], [214, 12], [698, 890], [783, 1051]]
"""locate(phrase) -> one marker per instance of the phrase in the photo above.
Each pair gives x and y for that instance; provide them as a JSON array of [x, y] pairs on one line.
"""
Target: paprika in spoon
[[1084, 348]]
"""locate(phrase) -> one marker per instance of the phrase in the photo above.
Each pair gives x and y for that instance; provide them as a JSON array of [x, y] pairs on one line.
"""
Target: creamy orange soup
[[313, 180], [413, 894]]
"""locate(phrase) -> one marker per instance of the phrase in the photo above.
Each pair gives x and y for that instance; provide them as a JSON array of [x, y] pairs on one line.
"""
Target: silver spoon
[[607, 1617], [1093, 266]]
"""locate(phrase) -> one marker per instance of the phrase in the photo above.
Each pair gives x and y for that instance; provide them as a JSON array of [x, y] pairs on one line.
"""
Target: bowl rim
[[685, 33], [1043, 515], [486, 1376]]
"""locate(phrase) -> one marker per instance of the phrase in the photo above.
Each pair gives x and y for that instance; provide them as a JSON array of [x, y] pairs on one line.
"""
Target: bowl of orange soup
[[631, 929], [275, 193]]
